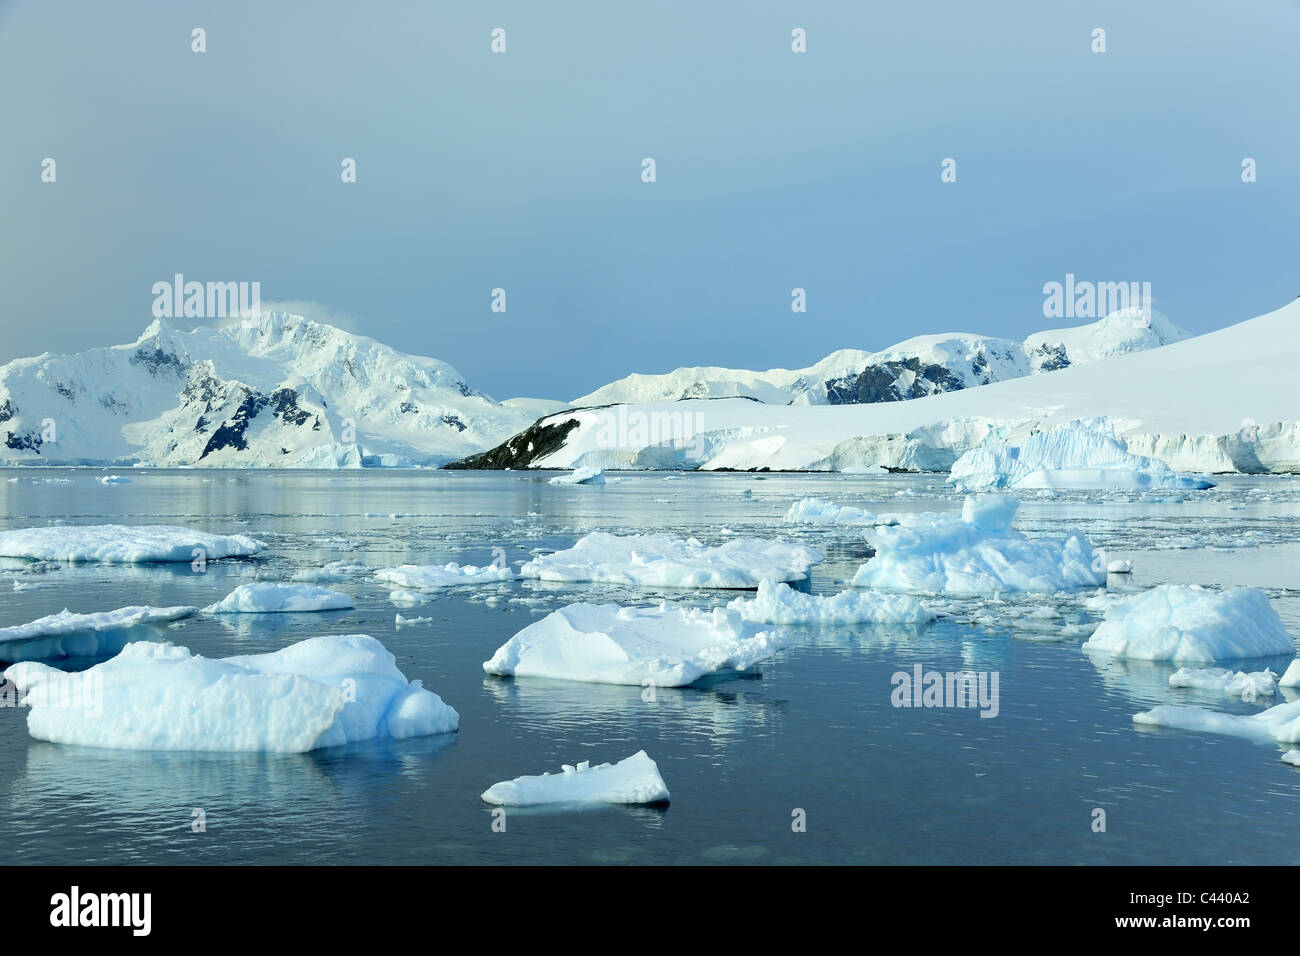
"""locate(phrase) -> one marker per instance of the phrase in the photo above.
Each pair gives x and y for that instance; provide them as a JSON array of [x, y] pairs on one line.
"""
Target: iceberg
[[781, 604], [1077, 455], [271, 597], [1292, 676], [581, 476], [1292, 757], [977, 553], [1250, 686], [85, 635], [1192, 624], [123, 544], [429, 577], [321, 692], [606, 644], [658, 560], [635, 780]]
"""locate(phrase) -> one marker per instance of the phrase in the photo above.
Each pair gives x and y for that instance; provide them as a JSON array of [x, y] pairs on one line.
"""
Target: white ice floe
[[1119, 566], [273, 597], [1078, 455], [1191, 624], [123, 544], [581, 476], [1292, 757], [635, 780], [1281, 722], [977, 553], [114, 480], [781, 604], [657, 560], [821, 511], [84, 635], [431, 577], [1256, 685], [320, 692], [607, 644], [1292, 676]]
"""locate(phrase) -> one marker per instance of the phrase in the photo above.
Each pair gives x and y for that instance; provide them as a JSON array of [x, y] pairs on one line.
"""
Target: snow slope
[[1221, 402], [919, 366], [277, 390]]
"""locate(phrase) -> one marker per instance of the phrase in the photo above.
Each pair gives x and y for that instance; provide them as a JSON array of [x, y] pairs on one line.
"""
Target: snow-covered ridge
[[1216, 403], [278, 390], [920, 366]]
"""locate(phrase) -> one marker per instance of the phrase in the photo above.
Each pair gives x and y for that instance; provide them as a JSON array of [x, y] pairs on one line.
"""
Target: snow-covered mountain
[[278, 390], [920, 366], [1222, 402]]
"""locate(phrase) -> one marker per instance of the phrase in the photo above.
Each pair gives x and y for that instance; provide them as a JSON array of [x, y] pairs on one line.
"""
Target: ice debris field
[[916, 567]]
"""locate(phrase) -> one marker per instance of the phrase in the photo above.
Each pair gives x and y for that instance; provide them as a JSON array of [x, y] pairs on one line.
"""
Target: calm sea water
[[815, 731]]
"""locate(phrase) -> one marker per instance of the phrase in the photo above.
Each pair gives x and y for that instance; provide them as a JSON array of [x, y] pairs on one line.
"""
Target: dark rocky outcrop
[[537, 441]]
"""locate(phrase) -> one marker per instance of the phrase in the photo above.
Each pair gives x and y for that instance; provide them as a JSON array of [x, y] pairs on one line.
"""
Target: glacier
[[977, 552], [1157, 400], [270, 597], [123, 544], [1192, 624], [321, 692], [665, 645], [634, 780], [1078, 455], [658, 560], [66, 634]]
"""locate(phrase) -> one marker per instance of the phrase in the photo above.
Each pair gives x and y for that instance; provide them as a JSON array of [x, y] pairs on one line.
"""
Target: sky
[[522, 170]]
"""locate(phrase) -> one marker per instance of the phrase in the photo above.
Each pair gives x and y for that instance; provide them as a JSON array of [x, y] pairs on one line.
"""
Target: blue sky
[[523, 171]]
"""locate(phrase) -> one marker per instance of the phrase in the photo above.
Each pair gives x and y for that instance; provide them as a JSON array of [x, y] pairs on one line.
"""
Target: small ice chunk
[[1281, 722], [321, 692], [581, 476], [1292, 676], [778, 603], [635, 780], [276, 597], [606, 644], [1119, 566], [1252, 686], [114, 480], [123, 544], [400, 621], [1292, 757], [658, 560], [334, 571], [1192, 624], [429, 577], [821, 511]]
